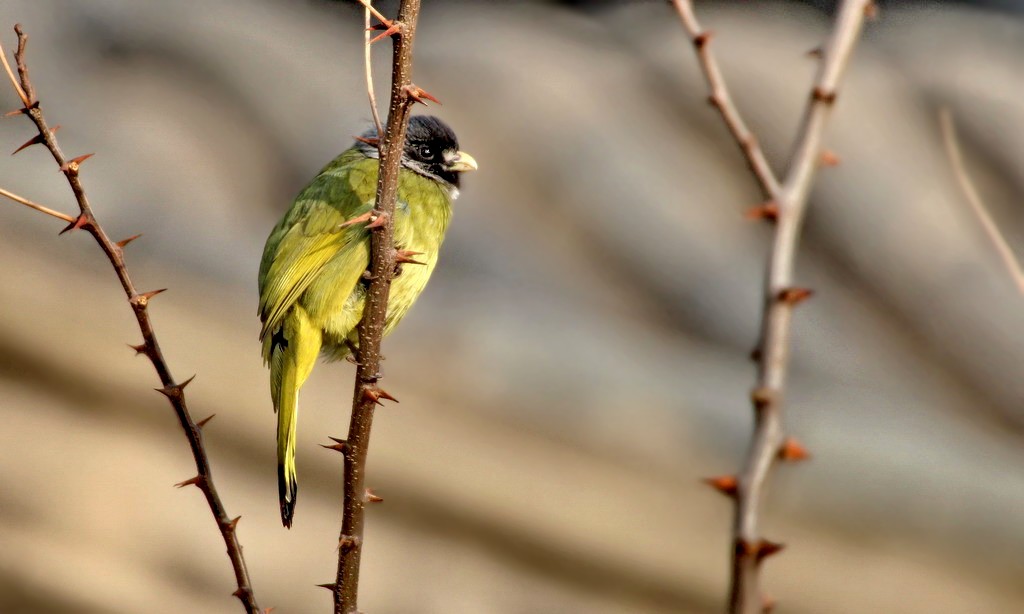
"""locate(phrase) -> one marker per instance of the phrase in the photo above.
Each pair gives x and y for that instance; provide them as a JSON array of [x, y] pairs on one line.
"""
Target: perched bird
[[311, 276]]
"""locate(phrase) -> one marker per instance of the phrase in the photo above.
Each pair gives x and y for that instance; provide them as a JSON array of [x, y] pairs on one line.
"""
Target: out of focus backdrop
[[580, 358]]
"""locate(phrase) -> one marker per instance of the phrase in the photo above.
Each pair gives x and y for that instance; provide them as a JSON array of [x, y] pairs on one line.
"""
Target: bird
[[311, 282]]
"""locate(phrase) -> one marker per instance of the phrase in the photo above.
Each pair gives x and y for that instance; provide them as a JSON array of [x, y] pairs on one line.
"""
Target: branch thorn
[[331, 587], [72, 165], [795, 296], [417, 94], [792, 451], [142, 348], [765, 211], [725, 484], [376, 393], [371, 497], [37, 139], [762, 397], [81, 221], [377, 219], [405, 256], [358, 219], [205, 420], [340, 445], [765, 549], [123, 242], [396, 27], [174, 391], [141, 300], [190, 482]]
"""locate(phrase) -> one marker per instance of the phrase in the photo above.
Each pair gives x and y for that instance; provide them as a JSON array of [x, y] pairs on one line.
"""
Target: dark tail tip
[[287, 495]]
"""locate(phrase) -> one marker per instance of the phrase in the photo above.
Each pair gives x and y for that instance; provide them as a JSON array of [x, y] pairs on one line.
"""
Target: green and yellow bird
[[311, 288]]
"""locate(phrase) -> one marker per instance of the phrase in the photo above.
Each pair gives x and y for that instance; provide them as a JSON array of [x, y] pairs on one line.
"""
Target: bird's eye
[[426, 152]]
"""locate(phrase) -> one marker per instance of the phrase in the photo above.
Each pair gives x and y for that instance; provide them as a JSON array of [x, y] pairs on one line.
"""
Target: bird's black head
[[431, 150]]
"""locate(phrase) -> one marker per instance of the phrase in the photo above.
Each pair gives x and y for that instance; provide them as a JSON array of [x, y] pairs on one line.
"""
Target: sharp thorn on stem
[[358, 219], [765, 211], [37, 139], [81, 221], [765, 549], [791, 451], [795, 296], [418, 94], [762, 397], [190, 482], [395, 28], [72, 165], [725, 484], [123, 242], [142, 300], [205, 421], [405, 256], [378, 219]]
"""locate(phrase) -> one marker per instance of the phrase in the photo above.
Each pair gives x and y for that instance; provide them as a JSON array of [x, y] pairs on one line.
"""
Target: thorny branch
[[974, 199], [367, 393], [174, 391], [786, 206]]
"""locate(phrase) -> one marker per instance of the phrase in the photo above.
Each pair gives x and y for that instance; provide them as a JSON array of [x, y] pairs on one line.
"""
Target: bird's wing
[[308, 237]]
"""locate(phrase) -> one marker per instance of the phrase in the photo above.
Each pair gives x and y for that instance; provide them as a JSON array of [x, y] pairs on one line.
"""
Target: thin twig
[[368, 60], [36, 206], [371, 327], [963, 179], [174, 391], [789, 197], [14, 81], [722, 100]]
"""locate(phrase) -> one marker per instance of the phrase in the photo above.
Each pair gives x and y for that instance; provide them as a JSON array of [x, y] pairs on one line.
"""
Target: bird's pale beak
[[462, 162]]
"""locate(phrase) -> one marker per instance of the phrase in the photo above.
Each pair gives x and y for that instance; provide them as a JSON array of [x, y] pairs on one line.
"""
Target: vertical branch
[[787, 207], [171, 388], [371, 327]]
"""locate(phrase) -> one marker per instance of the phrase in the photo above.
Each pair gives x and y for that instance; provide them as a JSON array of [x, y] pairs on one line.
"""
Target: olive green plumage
[[310, 280]]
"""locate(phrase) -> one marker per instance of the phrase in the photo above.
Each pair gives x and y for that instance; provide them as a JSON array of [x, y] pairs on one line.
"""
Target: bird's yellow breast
[[421, 218]]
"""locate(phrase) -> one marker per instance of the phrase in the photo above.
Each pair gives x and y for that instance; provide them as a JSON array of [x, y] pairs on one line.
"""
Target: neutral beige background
[[579, 360]]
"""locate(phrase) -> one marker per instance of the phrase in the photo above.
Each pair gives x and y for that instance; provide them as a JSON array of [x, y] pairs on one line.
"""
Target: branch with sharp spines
[[171, 389], [785, 207]]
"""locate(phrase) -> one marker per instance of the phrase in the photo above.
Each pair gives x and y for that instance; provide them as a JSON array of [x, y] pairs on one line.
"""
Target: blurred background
[[579, 360]]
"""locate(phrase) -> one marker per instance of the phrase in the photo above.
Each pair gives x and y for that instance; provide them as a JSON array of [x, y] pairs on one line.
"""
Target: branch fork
[[785, 205]]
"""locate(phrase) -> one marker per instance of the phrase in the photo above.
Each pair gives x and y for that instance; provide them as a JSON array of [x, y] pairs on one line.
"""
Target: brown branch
[[768, 442], [371, 327], [963, 179], [722, 100], [174, 391]]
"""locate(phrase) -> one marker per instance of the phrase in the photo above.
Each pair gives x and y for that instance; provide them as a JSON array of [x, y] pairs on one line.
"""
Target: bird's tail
[[293, 352]]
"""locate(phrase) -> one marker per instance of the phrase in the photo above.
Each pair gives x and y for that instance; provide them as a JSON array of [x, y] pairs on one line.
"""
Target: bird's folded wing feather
[[306, 240]]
